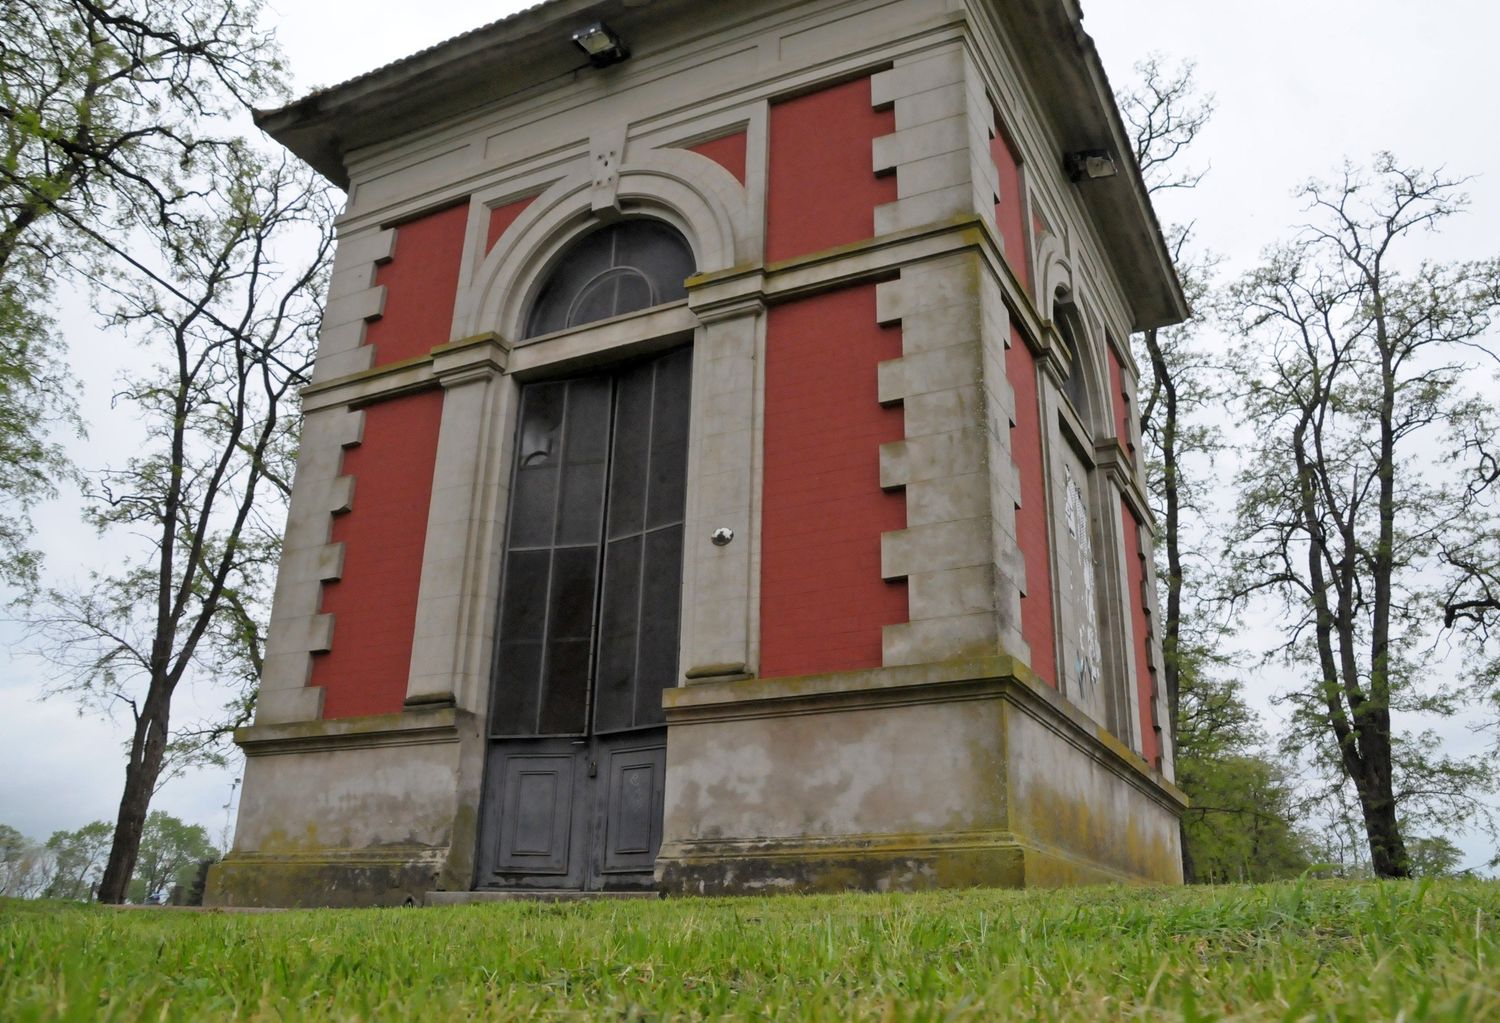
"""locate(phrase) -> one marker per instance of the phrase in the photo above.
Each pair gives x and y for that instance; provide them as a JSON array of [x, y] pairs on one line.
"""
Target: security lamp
[[1088, 164], [601, 44]]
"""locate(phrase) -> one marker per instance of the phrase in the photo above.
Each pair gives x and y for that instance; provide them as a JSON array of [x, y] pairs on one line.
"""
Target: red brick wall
[[822, 189], [421, 286], [823, 600], [1010, 213], [1031, 516], [728, 152], [1135, 568], [374, 603], [501, 217]]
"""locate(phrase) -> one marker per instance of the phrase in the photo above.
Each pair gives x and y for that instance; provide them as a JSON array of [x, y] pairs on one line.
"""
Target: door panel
[[534, 815], [588, 630], [631, 809]]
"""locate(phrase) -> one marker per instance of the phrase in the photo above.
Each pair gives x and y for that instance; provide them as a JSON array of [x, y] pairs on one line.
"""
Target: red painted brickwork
[[1010, 210], [1122, 402], [1135, 568], [421, 286], [374, 604], [728, 152], [823, 601], [501, 217], [1037, 626], [822, 189]]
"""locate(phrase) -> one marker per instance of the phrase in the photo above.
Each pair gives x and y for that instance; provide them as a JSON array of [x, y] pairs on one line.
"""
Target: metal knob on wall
[[722, 536]]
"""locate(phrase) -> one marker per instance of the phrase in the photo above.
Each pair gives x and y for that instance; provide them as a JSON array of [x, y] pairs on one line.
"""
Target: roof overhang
[[531, 48], [467, 72], [1063, 67]]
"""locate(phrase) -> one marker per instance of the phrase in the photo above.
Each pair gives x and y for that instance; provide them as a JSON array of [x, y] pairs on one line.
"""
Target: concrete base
[[388, 877], [351, 812], [952, 775], [958, 774]]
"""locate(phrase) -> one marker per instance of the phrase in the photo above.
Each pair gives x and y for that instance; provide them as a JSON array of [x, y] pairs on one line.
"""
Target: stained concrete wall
[[968, 773]]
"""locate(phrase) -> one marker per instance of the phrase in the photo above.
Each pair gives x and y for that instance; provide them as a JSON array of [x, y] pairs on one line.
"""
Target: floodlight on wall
[[601, 44], [1089, 164]]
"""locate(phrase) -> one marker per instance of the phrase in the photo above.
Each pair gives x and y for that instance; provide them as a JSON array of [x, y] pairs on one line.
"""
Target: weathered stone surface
[[937, 775]]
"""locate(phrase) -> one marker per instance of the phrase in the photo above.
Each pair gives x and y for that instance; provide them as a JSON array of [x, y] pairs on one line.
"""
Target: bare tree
[[103, 104], [227, 303], [1166, 111], [1359, 363]]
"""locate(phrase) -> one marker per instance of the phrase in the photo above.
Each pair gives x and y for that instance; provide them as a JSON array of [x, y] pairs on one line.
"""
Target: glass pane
[[662, 256], [588, 258], [571, 615], [583, 470], [655, 258], [565, 699], [618, 611], [627, 477], [588, 419], [596, 301], [525, 598], [582, 504], [538, 452], [533, 507], [669, 435], [632, 292], [540, 438], [661, 603], [518, 672]]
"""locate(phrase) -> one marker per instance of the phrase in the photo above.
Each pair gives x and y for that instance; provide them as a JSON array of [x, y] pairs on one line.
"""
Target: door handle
[[593, 768]]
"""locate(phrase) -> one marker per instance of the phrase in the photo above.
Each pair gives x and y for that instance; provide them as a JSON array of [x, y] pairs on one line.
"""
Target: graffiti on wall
[[1088, 664]]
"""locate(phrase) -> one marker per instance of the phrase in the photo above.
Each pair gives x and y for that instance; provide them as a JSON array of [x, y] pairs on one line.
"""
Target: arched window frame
[[1077, 385], [572, 247]]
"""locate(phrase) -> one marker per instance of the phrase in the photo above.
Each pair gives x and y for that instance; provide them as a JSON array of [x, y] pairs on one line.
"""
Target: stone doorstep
[[533, 895]]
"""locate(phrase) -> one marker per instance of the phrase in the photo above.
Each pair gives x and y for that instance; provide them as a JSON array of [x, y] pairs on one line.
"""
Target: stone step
[[531, 895]]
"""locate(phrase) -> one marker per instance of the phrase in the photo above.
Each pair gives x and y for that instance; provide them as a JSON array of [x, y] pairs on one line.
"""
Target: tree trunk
[[1387, 848], [1189, 869], [1377, 803], [148, 751], [1171, 528]]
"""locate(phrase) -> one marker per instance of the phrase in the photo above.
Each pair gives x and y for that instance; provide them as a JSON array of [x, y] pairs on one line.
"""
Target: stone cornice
[[415, 727]]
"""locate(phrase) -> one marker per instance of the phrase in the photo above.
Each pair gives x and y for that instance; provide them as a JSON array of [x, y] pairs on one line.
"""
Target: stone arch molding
[[691, 192], [1057, 275]]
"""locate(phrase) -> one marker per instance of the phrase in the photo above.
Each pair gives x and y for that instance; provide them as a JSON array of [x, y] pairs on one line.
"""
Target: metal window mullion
[[606, 493], [562, 447], [640, 582]]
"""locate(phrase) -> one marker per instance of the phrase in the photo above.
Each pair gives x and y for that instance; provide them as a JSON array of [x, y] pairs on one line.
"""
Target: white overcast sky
[[1300, 86]]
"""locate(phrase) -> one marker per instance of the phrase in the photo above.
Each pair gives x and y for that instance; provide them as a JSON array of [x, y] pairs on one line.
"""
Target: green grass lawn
[[1314, 950]]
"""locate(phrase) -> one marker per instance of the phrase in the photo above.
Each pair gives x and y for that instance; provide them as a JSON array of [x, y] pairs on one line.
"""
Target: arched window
[[1070, 327], [622, 268]]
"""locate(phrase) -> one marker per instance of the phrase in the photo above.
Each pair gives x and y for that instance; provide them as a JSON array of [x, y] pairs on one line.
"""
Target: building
[[828, 568]]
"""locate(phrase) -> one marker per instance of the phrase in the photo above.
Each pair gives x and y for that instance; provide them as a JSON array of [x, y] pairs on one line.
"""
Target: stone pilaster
[[457, 595], [354, 299], [721, 595], [944, 552], [297, 630], [939, 151]]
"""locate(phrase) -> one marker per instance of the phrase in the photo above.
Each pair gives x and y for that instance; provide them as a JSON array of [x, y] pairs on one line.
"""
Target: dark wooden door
[[588, 630]]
